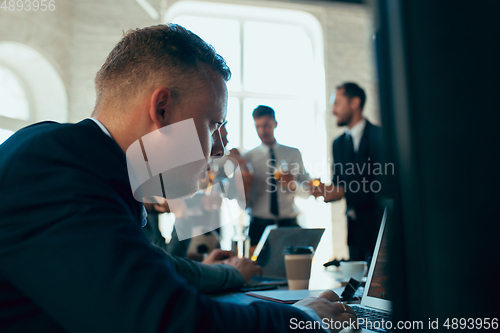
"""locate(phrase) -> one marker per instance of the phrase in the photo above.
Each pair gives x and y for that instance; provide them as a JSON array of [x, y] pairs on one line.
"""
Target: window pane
[[278, 58], [296, 125], [4, 134], [223, 35], [233, 122], [13, 101]]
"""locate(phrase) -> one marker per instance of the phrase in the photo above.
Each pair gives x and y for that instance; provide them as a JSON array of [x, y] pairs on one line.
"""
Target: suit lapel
[[349, 148], [364, 143]]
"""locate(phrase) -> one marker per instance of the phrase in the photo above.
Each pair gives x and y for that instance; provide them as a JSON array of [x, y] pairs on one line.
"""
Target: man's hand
[[235, 153], [246, 176], [246, 267], [286, 177], [318, 190], [217, 256], [162, 206], [288, 181], [327, 306], [329, 192]]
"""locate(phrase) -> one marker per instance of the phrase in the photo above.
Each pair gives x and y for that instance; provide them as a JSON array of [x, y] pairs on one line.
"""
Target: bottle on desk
[[240, 244]]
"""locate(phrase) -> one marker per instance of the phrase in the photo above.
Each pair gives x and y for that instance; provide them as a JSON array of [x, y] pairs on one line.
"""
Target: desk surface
[[321, 278]]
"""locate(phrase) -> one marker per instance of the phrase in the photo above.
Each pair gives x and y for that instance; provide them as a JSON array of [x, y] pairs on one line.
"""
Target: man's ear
[[276, 122], [355, 103], [161, 102]]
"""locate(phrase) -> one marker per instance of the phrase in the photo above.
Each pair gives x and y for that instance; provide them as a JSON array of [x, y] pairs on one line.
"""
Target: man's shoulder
[[32, 137], [49, 130], [37, 131], [373, 127], [291, 151], [253, 152], [374, 132], [339, 139], [50, 142]]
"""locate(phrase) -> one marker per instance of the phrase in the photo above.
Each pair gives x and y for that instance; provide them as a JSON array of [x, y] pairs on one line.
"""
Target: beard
[[345, 121], [341, 123]]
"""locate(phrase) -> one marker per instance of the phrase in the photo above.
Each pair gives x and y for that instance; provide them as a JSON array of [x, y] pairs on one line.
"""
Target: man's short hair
[[145, 57], [353, 90], [263, 110]]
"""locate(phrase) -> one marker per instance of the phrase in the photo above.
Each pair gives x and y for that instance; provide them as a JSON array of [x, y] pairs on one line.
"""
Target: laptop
[[375, 304], [269, 253]]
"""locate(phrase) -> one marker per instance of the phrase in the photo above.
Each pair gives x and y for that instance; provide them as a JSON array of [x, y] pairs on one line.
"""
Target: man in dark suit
[[356, 155], [72, 255]]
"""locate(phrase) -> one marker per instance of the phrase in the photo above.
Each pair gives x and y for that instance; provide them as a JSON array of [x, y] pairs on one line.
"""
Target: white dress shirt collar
[[356, 132], [266, 148], [101, 126]]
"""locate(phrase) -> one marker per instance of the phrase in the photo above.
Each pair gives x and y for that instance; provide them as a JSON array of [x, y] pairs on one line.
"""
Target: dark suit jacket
[[73, 257], [358, 175]]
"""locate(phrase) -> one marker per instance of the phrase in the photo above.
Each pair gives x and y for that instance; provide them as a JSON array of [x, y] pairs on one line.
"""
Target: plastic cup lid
[[298, 250]]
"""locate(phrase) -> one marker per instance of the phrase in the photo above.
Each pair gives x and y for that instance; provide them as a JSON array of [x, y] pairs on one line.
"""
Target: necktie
[[273, 185], [349, 147]]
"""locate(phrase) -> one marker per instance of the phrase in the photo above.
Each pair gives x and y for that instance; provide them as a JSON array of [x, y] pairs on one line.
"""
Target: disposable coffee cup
[[298, 266]]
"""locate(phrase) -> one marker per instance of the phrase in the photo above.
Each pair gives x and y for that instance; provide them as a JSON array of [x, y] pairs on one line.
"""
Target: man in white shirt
[[277, 178]]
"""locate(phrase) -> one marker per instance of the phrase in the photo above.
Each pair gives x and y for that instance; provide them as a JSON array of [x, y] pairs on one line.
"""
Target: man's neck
[[354, 121], [121, 131], [270, 144]]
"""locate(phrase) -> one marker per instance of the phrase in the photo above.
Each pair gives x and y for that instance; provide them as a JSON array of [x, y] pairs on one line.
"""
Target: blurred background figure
[[356, 155], [152, 228], [201, 211], [277, 171]]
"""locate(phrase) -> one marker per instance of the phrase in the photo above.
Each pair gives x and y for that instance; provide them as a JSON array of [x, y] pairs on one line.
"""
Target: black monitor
[[439, 85]]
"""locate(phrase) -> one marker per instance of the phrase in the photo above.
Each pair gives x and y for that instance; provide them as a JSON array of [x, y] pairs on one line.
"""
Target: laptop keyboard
[[371, 316]]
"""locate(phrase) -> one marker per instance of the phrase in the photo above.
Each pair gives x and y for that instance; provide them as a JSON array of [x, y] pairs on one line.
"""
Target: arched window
[[31, 90], [276, 57], [13, 100]]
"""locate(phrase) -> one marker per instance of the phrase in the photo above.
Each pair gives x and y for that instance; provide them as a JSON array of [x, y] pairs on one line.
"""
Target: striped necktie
[[273, 185]]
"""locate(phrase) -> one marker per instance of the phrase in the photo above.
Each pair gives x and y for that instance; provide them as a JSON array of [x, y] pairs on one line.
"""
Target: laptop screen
[[378, 285], [376, 293]]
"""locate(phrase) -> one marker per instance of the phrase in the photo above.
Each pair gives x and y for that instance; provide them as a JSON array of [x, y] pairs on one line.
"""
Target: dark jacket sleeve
[[206, 278], [70, 242]]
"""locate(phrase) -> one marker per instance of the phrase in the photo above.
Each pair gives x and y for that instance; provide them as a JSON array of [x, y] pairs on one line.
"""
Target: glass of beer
[[313, 183], [212, 174]]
